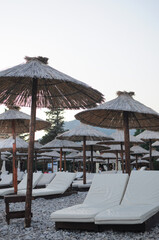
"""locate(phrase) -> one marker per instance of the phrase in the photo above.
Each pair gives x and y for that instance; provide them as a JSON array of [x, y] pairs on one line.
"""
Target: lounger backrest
[[106, 189], [23, 184], [6, 179], [61, 181], [142, 188], [20, 175], [46, 179]]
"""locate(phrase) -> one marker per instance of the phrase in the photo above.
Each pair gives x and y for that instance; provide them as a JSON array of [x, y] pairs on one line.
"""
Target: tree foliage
[[56, 118]]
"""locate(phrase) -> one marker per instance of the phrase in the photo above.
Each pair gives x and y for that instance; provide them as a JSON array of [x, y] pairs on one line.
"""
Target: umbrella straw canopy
[[149, 136], [122, 113], [16, 122], [22, 121], [36, 84], [55, 89], [84, 132]]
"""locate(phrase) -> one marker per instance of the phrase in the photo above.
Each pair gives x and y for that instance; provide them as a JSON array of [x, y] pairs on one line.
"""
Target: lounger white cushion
[[7, 180], [20, 175], [140, 202], [46, 179], [22, 185], [106, 191], [79, 175], [58, 185]]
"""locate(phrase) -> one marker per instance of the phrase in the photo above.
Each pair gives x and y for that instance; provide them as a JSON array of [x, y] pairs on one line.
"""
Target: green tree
[[56, 118]]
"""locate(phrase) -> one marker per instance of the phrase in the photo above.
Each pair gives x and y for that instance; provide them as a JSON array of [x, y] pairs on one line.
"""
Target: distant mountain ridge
[[74, 123]]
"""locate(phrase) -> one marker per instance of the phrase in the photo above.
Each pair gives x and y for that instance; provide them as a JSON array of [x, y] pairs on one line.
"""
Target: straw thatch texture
[[114, 148], [140, 161], [135, 150], [81, 131], [56, 143], [8, 144], [55, 89], [110, 114], [148, 135], [107, 156], [118, 137], [22, 122], [154, 153], [155, 144], [51, 154]]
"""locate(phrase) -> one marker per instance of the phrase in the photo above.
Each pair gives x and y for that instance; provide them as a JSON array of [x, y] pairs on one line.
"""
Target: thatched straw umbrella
[[36, 84], [84, 132], [52, 154], [140, 161], [72, 156], [118, 138], [149, 136], [154, 154], [107, 156], [16, 122], [61, 144], [136, 151], [122, 113], [7, 145], [115, 148]]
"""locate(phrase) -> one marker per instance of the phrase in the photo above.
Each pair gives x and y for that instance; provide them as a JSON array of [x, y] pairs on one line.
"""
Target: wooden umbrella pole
[[60, 159], [127, 142], [122, 159], [117, 160], [92, 167], [65, 162], [31, 155], [84, 160], [14, 158], [35, 161], [73, 165], [150, 153], [108, 164], [136, 162]]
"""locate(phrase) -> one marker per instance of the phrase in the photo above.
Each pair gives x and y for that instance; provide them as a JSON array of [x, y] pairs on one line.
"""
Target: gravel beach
[[42, 227]]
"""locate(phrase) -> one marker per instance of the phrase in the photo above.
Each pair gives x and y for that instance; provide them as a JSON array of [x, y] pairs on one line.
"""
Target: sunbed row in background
[[21, 185], [59, 186], [111, 203]]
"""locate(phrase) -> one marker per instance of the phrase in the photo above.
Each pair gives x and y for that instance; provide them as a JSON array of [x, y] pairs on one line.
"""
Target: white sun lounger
[[45, 180], [6, 180], [21, 185], [140, 203], [57, 187], [106, 191]]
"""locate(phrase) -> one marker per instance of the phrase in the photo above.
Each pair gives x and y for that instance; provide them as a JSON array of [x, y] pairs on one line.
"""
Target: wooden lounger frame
[[145, 226]]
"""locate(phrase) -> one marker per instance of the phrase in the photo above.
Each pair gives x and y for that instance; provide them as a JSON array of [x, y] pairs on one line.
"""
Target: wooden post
[[73, 165], [136, 162], [108, 164], [117, 160], [31, 155], [127, 142], [14, 158], [150, 153], [122, 159], [84, 160], [92, 166], [60, 159], [35, 161], [65, 161]]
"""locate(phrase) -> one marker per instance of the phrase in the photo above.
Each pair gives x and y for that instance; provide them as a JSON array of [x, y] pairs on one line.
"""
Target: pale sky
[[111, 45]]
